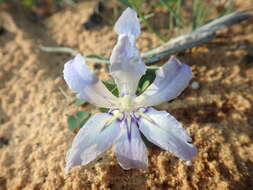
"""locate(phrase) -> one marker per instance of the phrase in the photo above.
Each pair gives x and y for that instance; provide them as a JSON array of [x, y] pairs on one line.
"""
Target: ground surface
[[33, 131]]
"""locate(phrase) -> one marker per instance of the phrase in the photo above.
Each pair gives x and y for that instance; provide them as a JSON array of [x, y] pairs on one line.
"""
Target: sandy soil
[[33, 131]]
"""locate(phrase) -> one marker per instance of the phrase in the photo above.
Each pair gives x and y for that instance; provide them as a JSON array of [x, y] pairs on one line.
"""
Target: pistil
[[126, 103]]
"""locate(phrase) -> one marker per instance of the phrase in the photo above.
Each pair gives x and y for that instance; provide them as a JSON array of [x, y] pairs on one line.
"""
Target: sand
[[33, 129]]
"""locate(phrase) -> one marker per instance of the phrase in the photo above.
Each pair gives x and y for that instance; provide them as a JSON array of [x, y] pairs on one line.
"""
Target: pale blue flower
[[129, 114]]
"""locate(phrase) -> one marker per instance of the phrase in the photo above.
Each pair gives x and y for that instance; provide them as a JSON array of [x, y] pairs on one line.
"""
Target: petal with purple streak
[[171, 79], [92, 139], [130, 150], [82, 80], [160, 128], [126, 65]]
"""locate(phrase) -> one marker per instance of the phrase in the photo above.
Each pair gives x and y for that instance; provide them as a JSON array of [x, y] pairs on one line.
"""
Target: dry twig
[[195, 38]]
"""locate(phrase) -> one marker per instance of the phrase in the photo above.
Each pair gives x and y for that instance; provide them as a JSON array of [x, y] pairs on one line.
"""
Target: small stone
[[188, 163], [195, 85]]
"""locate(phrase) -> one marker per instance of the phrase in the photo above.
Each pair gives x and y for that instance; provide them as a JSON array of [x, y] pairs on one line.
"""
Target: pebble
[[188, 163], [195, 85]]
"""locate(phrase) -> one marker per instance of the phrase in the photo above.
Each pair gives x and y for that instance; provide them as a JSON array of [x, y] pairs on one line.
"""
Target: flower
[[129, 114]]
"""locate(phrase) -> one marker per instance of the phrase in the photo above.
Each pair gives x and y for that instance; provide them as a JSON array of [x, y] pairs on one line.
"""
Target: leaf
[[82, 115], [27, 3], [73, 123], [79, 102], [83, 122], [104, 109], [146, 80], [145, 85], [112, 87], [125, 3], [136, 3], [94, 56], [78, 120]]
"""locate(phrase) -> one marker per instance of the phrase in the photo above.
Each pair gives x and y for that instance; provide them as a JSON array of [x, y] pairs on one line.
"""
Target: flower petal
[[126, 65], [171, 79], [165, 131], [97, 135], [82, 80], [128, 23], [130, 150]]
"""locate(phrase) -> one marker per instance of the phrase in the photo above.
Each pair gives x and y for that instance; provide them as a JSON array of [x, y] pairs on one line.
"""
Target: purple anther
[[135, 117]]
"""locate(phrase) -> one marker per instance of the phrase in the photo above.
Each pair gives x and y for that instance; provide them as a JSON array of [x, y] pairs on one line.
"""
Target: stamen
[[143, 109], [139, 113], [142, 113], [111, 111], [113, 115], [122, 118], [136, 116]]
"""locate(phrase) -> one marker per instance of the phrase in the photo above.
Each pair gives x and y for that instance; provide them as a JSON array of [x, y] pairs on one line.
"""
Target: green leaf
[[104, 109], [79, 102], [95, 56], [145, 85], [173, 6], [146, 80], [82, 115], [125, 3], [131, 3], [27, 3], [73, 123], [112, 87], [78, 120], [83, 122], [136, 3]]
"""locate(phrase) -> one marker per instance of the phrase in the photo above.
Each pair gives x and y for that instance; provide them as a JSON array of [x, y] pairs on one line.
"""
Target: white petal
[[82, 80], [126, 65], [171, 79], [129, 148], [97, 135], [128, 23], [163, 130]]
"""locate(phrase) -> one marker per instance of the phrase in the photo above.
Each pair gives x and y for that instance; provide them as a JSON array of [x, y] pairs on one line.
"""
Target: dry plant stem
[[58, 49], [178, 44], [195, 38]]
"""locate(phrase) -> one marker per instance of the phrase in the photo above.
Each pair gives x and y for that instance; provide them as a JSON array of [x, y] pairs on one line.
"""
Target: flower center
[[126, 103]]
